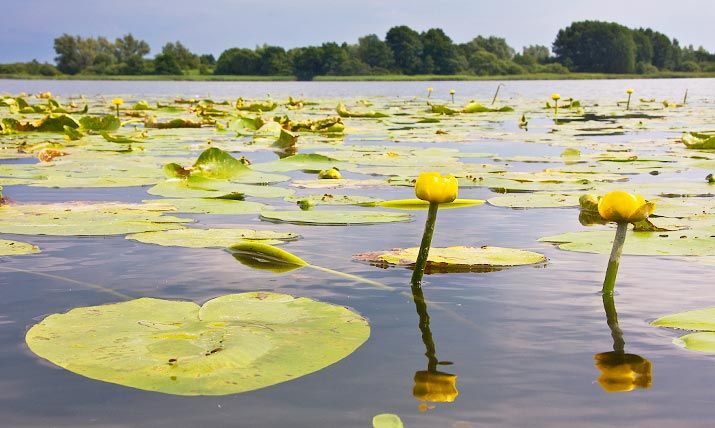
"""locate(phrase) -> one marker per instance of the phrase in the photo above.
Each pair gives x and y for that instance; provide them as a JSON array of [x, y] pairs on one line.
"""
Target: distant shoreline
[[369, 78]]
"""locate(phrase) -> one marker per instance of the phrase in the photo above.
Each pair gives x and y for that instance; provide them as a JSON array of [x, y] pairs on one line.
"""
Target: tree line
[[586, 46]]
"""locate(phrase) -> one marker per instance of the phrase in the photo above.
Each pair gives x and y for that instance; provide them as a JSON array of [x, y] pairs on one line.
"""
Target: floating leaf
[[233, 343], [418, 204], [330, 199], [332, 217], [211, 205], [210, 238], [265, 256], [99, 123], [202, 188], [698, 319], [700, 141], [387, 420], [16, 248], [68, 219], [534, 200], [344, 112], [455, 259], [677, 243], [301, 162]]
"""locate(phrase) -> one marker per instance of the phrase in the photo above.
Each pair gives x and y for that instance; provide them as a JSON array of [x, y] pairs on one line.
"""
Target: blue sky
[[210, 26]]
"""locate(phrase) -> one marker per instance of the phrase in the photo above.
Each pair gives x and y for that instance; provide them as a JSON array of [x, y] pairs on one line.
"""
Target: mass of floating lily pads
[[199, 156]]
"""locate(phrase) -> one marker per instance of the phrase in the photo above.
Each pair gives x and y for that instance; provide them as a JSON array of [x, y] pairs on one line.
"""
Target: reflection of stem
[[612, 318], [421, 306], [628, 104], [610, 281], [62, 278], [426, 242]]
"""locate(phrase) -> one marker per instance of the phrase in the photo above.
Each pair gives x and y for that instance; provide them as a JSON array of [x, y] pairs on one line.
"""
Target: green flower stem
[[421, 306], [609, 282], [352, 277], [556, 107], [496, 93], [628, 104], [117, 111], [74, 281], [425, 245], [612, 318]]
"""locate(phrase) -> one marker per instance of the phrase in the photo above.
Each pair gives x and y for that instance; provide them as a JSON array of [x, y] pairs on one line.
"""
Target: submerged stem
[[74, 281], [609, 305], [352, 277], [609, 282], [425, 245]]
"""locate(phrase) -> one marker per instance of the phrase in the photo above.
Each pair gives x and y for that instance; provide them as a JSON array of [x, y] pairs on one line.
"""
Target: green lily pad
[[210, 238], [301, 162], [331, 199], [334, 217], [455, 259], [233, 343], [211, 205], [534, 200], [69, 219], [676, 243], [418, 204], [107, 122], [387, 420], [702, 320], [16, 248], [202, 188]]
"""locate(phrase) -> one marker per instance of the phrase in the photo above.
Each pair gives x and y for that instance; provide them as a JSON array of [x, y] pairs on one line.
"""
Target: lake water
[[522, 349]]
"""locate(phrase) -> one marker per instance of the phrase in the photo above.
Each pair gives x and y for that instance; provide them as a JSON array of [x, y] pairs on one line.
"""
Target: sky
[[28, 27]]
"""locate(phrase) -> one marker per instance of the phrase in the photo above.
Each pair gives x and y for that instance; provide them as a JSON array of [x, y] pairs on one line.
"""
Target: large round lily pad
[[455, 259], [210, 238], [233, 343], [334, 217], [83, 218], [534, 200], [16, 248], [698, 319], [211, 205], [676, 243]]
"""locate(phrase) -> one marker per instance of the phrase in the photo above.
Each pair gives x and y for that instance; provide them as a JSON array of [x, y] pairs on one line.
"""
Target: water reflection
[[620, 372], [431, 385]]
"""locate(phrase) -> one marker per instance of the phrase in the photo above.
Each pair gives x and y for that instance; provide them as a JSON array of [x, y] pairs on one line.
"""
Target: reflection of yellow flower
[[620, 206], [629, 91], [330, 174], [623, 372], [555, 96], [117, 101], [435, 386], [434, 187]]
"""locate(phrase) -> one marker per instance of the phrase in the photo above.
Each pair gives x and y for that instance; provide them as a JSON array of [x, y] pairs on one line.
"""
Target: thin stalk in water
[[426, 243], [614, 260]]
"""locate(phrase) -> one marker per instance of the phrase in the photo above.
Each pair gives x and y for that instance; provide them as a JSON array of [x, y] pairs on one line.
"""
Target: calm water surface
[[523, 352]]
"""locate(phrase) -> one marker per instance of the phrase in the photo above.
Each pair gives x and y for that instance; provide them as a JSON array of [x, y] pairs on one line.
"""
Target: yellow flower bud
[[435, 386], [330, 174], [620, 206], [117, 101], [452, 92], [555, 96], [434, 187], [623, 372], [629, 91], [430, 89]]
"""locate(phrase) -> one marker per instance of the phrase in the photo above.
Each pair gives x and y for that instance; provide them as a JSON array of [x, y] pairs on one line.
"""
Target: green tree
[[375, 53], [406, 48], [596, 46], [239, 61], [439, 48], [182, 55], [274, 61], [166, 65], [307, 62]]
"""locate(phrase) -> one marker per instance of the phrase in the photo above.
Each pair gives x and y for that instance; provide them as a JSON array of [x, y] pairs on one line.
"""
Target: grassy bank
[[388, 77]]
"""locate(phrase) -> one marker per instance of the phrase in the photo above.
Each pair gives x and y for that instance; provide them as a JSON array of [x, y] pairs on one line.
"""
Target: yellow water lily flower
[[434, 187], [117, 101], [624, 207], [555, 96], [623, 372], [430, 89], [452, 92], [629, 91], [330, 174], [435, 386]]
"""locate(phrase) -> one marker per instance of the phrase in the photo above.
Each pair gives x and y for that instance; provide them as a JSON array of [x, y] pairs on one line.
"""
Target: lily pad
[[233, 343], [418, 204], [676, 243], [211, 205], [455, 259], [69, 219], [301, 162], [16, 248], [202, 188], [334, 217], [534, 200], [210, 238], [387, 420], [702, 320]]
